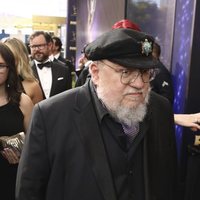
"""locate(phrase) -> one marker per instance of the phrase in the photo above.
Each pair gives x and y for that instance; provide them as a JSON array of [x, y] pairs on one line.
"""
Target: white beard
[[126, 115]]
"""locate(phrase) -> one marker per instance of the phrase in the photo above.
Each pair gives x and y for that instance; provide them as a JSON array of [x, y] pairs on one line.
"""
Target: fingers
[[195, 127], [10, 155]]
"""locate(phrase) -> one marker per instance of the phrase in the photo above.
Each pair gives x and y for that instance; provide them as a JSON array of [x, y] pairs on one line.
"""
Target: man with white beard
[[111, 139]]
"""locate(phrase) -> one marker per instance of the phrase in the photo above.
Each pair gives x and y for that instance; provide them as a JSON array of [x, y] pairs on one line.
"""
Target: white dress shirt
[[45, 75]]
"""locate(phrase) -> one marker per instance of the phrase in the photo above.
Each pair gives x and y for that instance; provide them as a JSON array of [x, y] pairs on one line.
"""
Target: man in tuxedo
[[57, 48], [53, 77], [111, 139]]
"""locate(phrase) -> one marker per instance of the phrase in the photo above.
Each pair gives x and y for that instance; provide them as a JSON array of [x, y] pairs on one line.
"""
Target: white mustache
[[133, 90]]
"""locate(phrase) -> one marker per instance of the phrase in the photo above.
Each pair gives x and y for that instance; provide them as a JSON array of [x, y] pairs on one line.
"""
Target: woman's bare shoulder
[[33, 90]]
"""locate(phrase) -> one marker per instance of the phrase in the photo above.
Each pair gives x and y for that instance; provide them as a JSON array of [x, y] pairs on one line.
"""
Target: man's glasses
[[38, 46], [3, 66], [130, 75]]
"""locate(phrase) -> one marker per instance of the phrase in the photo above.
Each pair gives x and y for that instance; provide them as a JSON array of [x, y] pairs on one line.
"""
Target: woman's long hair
[[22, 60]]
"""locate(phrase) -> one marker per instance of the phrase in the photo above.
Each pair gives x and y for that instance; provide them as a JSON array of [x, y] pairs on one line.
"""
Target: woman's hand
[[11, 155], [188, 120]]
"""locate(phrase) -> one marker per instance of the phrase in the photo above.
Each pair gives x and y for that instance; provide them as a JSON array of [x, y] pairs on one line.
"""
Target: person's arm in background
[[188, 120]]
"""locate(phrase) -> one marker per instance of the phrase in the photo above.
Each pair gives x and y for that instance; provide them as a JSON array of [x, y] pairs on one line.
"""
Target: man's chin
[[39, 56]]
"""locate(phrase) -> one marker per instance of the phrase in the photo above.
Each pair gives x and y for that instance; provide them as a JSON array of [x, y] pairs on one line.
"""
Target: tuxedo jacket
[[64, 156], [61, 78]]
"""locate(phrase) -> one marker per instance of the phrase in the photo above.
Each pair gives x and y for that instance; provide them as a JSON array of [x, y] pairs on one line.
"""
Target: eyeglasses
[[38, 46], [128, 76], [3, 66]]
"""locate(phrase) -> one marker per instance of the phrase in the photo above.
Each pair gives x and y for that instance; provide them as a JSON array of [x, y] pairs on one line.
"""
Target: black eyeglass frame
[[38, 46], [130, 75]]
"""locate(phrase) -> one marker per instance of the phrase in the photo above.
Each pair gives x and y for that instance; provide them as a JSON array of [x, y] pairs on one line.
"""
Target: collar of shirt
[[36, 62], [56, 56], [51, 58]]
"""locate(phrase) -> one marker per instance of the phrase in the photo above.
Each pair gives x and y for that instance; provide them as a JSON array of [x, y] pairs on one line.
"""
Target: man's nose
[[137, 81]]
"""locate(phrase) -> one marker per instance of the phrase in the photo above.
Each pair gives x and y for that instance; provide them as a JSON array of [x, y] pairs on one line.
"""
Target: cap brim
[[140, 62]]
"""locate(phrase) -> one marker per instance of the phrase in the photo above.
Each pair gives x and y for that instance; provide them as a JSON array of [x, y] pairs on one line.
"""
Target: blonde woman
[[29, 83]]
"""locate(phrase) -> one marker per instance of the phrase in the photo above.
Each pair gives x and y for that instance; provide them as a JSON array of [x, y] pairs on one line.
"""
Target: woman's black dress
[[11, 122]]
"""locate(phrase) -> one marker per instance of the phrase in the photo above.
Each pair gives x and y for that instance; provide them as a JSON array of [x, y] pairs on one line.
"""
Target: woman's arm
[[188, 120], [26, 107]]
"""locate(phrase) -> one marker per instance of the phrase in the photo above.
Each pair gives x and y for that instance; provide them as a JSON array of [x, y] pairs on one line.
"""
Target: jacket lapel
[[91, 136], [35, 71], [145, 128], [54, 79]]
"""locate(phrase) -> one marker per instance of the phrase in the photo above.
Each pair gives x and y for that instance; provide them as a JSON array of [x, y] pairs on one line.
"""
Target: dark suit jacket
[[162, 83], [67, 62], [64, 157], [61, 78], [83, 77]]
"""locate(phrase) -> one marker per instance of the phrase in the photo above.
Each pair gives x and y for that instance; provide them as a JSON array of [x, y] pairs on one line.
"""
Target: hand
[[188, 120], [81, 62], [11, 155]]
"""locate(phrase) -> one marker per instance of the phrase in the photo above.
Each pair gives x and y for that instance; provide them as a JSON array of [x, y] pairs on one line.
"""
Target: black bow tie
[[46, 64]]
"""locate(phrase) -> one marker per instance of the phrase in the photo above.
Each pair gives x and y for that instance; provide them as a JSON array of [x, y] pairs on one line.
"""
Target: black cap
[[126, 47]]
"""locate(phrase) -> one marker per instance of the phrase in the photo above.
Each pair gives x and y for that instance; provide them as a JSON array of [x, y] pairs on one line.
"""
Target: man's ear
[[94, 71]]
